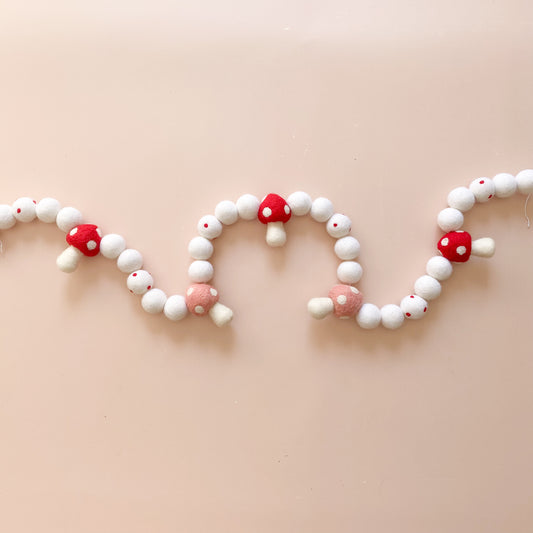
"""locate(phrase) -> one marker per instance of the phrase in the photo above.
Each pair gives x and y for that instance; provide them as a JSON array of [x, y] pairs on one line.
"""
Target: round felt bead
[[392, 316], [226, 212], [483, 189], [524, 180], [414, 307], [248, 206], [200, 271], [504, 184], [369, 316], [24, 209], [321, 210], [112, 245], [439, 267], [154, 301], [339, 225], [47, 210], [300, 203], [68, 218], [347, 248], [129, 261], [200, 248], [349, 272], [427, 287], [209, 227], [450, 219], [175, 307], [462, 199], [7, 220], [140, 281]]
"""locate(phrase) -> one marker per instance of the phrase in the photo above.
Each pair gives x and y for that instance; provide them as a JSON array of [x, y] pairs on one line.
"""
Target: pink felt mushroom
[[344, 301], [274, 211], [202, 299], [82, 240]]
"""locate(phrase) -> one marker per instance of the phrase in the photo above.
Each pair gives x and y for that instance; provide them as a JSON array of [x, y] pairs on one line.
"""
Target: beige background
[[144, 115]]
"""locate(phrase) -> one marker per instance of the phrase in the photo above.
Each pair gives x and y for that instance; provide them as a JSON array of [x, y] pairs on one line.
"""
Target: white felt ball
[[349, 272], [321, 210], [248, 206], [226, 212], [47, 210], [129, 261], [7, 220], [461, 198], [347, 248], [300, 203], [68, 218], [140, 281], [24, 209], [505, 185], [154, 301], [392, 316], [112, 245], [427, 287], [175, 307], [201, 271], [339, 225], [414, 307], [200, 248], [439, 267], [524, 180], [209, 227], [450, 219], [483, 189], [369, 316]]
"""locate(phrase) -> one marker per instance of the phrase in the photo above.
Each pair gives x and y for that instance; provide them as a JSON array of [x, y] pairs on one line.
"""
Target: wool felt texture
[[346, 300], [369, 316], [300, 203], [209, 227], [201, 271], [456, 246], [139, 282], [86, 238], [67, 218], [349, 272], [200, 248], [504, 184], [47, 210], [200, 298], [226, 211], [154, 301], [524, 181], [24, 209], [414, 307], [322, 209], [462, 199], [439, 267], [427, 287], [175, 307], [112, 245], [483, 189], [7, 220], [248, 206], [392, 316], [130, 260], [347, 248], [450, 219], [338, 226]]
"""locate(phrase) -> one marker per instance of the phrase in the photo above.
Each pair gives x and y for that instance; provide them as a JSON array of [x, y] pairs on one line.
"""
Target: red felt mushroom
[[83, 240], [457, 246], [274, 211]]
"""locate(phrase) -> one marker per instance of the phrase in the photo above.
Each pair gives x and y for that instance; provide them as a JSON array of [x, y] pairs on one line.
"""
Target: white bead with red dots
[[139, 282], [414, 307], [339, 226], [24, 209], [209, 227], [483, 189]]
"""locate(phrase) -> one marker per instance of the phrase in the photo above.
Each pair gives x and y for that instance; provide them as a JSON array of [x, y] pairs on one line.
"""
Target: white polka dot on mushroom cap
[[445, 241], [354, 290], [461, 250], [213, 291], [91, 245], [190, 290], [99, 232], [287, 209], [73, 231], [267, 212], [341, 299], [199, 310]]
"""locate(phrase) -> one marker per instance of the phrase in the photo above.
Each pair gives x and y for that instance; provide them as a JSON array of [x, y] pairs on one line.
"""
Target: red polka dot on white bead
[[24, 209], [483, 189], [209, 227]]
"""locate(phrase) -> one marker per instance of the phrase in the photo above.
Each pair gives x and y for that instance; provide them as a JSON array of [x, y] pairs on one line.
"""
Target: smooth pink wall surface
[[144, 115]]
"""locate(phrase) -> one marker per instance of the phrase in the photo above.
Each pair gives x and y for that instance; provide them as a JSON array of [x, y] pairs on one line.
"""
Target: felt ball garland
[[343, 301]]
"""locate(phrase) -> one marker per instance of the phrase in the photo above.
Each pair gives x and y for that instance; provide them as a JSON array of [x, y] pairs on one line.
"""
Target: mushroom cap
[[274, 209], [86, 238], [347, 300], [456, 246], [200, 297]]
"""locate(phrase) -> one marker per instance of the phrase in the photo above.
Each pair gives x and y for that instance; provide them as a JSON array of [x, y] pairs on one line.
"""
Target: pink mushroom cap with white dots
[[200, 298], [347, 300]]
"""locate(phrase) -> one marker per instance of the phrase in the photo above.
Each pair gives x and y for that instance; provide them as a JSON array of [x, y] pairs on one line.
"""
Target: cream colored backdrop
[[144, 115]]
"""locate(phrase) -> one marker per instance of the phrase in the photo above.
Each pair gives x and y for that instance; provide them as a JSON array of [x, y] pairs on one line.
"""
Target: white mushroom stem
[[483, 247], [276, 235], [69, 259], [320, 307], [220, 314]]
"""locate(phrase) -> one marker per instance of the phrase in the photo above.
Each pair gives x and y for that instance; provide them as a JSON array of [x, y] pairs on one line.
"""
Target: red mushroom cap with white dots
[[86, 238], [274, 209], [456, 246], [200, 298], [347, 300]]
